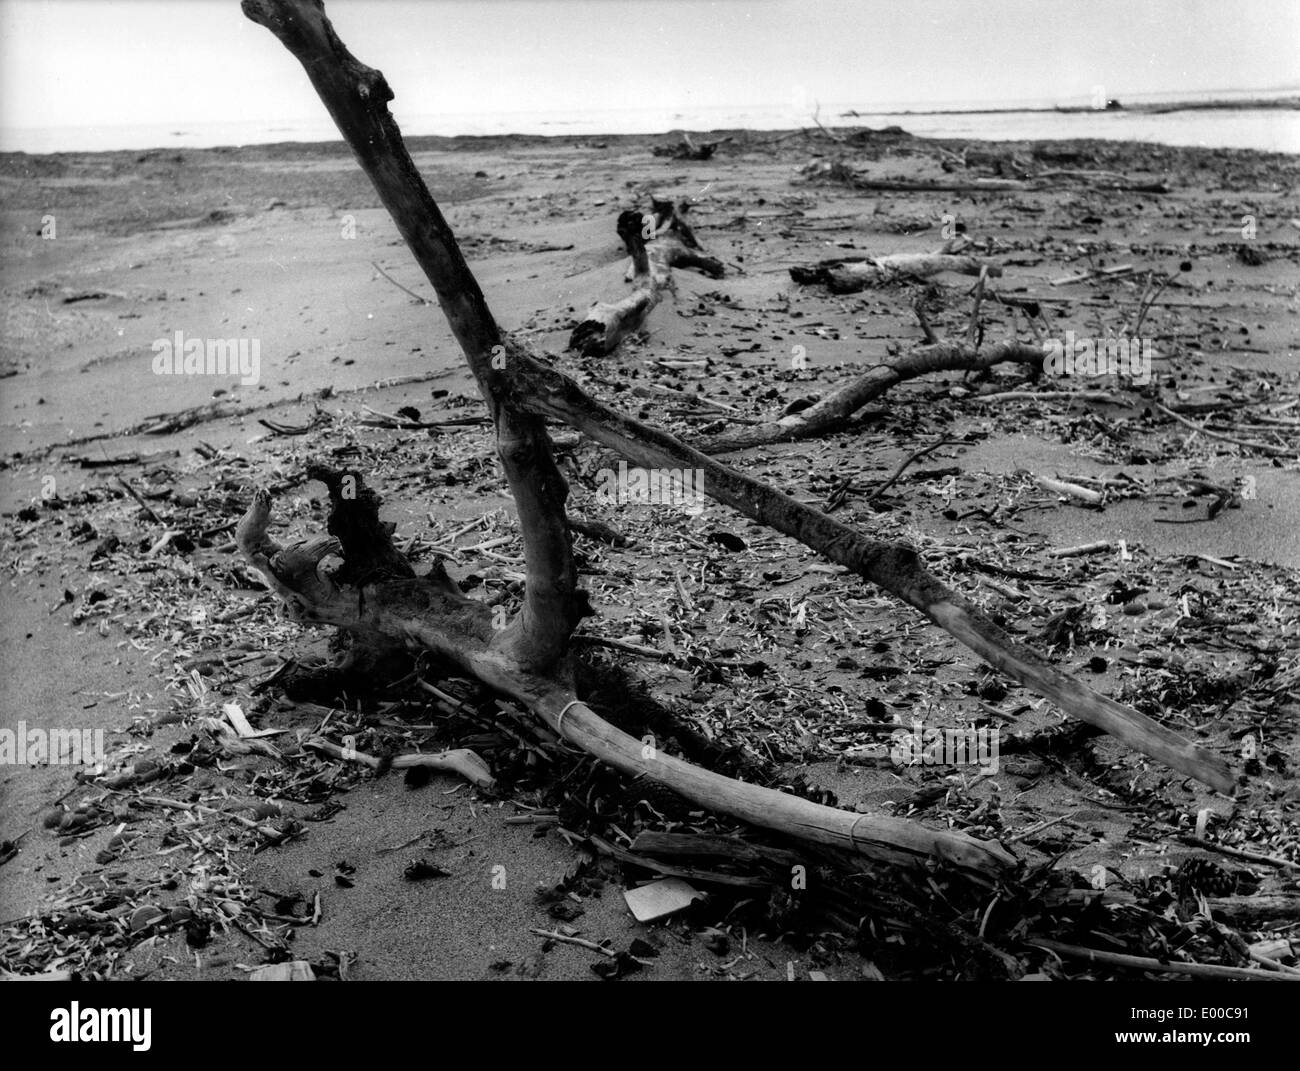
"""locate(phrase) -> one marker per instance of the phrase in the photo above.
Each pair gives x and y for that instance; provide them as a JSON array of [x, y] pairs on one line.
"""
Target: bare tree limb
[[373, 592], [891, 566], [833, 410], [357, 98]]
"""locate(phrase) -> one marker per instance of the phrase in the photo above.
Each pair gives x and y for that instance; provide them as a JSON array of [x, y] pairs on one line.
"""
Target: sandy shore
[[279, 244]]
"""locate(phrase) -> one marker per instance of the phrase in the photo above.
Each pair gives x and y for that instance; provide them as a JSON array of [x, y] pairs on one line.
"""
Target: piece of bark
[[654, 842], [711, 877]]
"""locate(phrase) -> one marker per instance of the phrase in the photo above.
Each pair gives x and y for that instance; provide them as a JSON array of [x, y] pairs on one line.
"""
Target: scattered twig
[[1145, 963], [555, 935], [1082, 548], [1072, 490], [1264, 447], [136, 495], [1048, 395], [412, 293], [903, 467], [1238, 853]]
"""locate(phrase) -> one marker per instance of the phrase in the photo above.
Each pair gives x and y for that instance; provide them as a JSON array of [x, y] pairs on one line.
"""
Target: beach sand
[[278, 244]]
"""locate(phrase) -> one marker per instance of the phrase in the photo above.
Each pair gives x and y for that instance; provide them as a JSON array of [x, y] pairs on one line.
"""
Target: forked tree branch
[[391, 606], [357, 98], [520, 391]]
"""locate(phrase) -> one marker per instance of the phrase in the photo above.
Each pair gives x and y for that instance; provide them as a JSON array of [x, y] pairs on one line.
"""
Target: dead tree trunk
[[373, 595]]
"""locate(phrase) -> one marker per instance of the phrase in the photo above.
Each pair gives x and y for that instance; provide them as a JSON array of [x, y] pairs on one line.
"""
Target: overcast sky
[[95, 62]]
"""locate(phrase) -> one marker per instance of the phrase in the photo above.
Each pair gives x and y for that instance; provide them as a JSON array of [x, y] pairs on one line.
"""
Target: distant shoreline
[[16, 161], [1279, 103], [1256, 123]]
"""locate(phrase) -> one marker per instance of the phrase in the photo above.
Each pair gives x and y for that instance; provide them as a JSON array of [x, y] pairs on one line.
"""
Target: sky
[[102, 62]]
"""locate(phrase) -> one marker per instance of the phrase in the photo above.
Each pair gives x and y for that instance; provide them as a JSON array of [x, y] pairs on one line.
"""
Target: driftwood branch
[[838, 171], [848, 275], [357, 98], [431, 613], [657, 242], [833, 410], [1146, 963], [891, 566], [459, 760], [356, 580]]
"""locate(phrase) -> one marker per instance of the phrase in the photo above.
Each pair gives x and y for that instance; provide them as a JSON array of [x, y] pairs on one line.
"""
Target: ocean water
[[1276, 130]]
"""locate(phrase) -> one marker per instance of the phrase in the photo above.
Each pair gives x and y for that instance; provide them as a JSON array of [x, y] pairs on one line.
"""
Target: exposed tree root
[[430, 614]]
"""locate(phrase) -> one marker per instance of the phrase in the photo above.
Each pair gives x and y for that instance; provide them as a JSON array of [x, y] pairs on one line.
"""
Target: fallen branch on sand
[[836, 408], [393, 606], [657, 242], [356, 580], [848, 275]]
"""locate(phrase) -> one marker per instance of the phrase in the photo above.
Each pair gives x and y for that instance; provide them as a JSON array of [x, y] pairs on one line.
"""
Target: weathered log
[[840, 172], [607, 324], [657, 242], [844, 275], [687, 149], [1259, 911]]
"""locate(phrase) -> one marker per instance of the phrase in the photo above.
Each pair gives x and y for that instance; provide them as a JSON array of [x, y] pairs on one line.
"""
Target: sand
[[278, 243]]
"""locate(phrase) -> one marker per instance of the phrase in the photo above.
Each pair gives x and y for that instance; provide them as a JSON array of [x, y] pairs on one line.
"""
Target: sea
[[1271, 129]]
